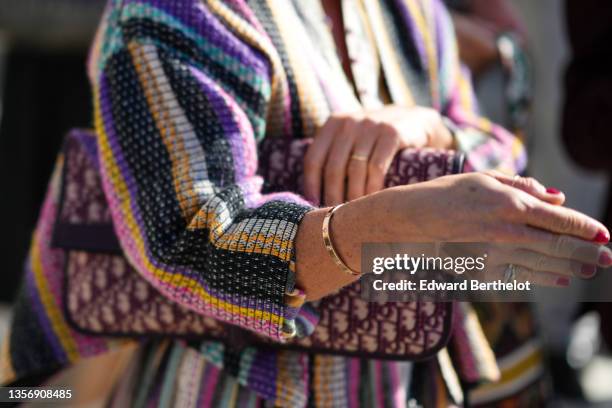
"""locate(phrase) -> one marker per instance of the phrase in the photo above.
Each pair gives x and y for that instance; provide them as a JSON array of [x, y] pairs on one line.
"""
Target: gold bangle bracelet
[[330, 246]]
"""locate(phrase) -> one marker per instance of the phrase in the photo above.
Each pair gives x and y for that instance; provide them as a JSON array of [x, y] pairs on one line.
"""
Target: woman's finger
[[539, 262], [334, 174], [567, 247], [538, 278], [531, 186], [563, 221], [387, 145], [358, 165], [559, 245], [525, 274], [314, 160]]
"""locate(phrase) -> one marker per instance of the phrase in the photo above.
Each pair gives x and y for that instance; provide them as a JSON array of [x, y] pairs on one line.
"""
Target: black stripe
[[415, 74], [186, 49], [198, 109]]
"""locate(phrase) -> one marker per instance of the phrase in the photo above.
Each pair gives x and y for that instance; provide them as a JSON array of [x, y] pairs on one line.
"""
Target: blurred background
[[44, 92]]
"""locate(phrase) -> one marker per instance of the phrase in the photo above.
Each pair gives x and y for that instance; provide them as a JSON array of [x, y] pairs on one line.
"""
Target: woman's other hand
[[351, 153]]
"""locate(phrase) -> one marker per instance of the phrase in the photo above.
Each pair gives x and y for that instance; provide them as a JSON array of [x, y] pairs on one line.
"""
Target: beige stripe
[[398, 88], [188, 380], [520, 369], [423, 16], [175, 129], [313, 103], [450, 376]]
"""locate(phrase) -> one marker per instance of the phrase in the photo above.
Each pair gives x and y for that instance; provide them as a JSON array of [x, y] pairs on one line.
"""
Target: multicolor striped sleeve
[[179, 103], [487, 145]]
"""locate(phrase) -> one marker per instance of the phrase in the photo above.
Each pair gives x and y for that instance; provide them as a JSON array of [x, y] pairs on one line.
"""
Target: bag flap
[[83, 220]]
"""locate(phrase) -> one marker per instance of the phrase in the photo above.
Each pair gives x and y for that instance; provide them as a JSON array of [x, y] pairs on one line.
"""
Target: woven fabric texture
[[184, 91]]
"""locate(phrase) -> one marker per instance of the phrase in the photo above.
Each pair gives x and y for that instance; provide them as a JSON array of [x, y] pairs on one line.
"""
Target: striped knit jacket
[[184, 91]]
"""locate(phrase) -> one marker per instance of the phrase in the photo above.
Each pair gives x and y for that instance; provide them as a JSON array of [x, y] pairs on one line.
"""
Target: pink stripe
[[378, 380], [288, 117], [353, 381], [51, 264], [397, 389], [209, 384]]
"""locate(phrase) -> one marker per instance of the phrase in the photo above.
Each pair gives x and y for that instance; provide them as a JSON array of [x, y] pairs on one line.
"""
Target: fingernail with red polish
[[602, 237], [563, 282], [605, 259], [552, 190], [588, 271]]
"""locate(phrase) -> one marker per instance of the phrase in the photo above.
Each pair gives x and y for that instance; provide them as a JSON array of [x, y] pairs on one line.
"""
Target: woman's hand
[[351, 153], [554, 242], [479, 207]]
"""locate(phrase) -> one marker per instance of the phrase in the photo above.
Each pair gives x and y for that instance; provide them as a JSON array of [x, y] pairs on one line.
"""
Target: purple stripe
[[42, 317], [411, 26], [353, 367], [210, 377], [224, 115], [87, 139], [263, 373], [244, 150], [196, 16], [441, 28]]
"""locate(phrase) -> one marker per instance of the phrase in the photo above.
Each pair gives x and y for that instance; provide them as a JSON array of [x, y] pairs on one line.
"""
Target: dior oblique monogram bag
[[118, 301]]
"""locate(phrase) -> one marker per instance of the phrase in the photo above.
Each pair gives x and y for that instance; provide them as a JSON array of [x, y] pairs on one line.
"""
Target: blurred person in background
[[45, 93], [492, 42], [586, 128]]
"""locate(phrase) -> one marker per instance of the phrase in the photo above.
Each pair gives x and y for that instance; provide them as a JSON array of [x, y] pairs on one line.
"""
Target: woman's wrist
[[316, 273], [352, 224], [378, 217]]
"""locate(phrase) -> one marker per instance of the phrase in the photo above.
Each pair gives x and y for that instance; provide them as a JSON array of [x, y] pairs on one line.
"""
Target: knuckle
[[388, 131], [350, 121], [369, 122], [524, 208], [528, 182], [376, 167], [561, 244], [511, 206], [333, 172], [541, 263], [525, 274], [566, 223]]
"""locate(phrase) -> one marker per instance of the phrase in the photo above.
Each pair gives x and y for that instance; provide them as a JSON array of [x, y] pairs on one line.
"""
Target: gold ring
[[515, 179], [359, 157]]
